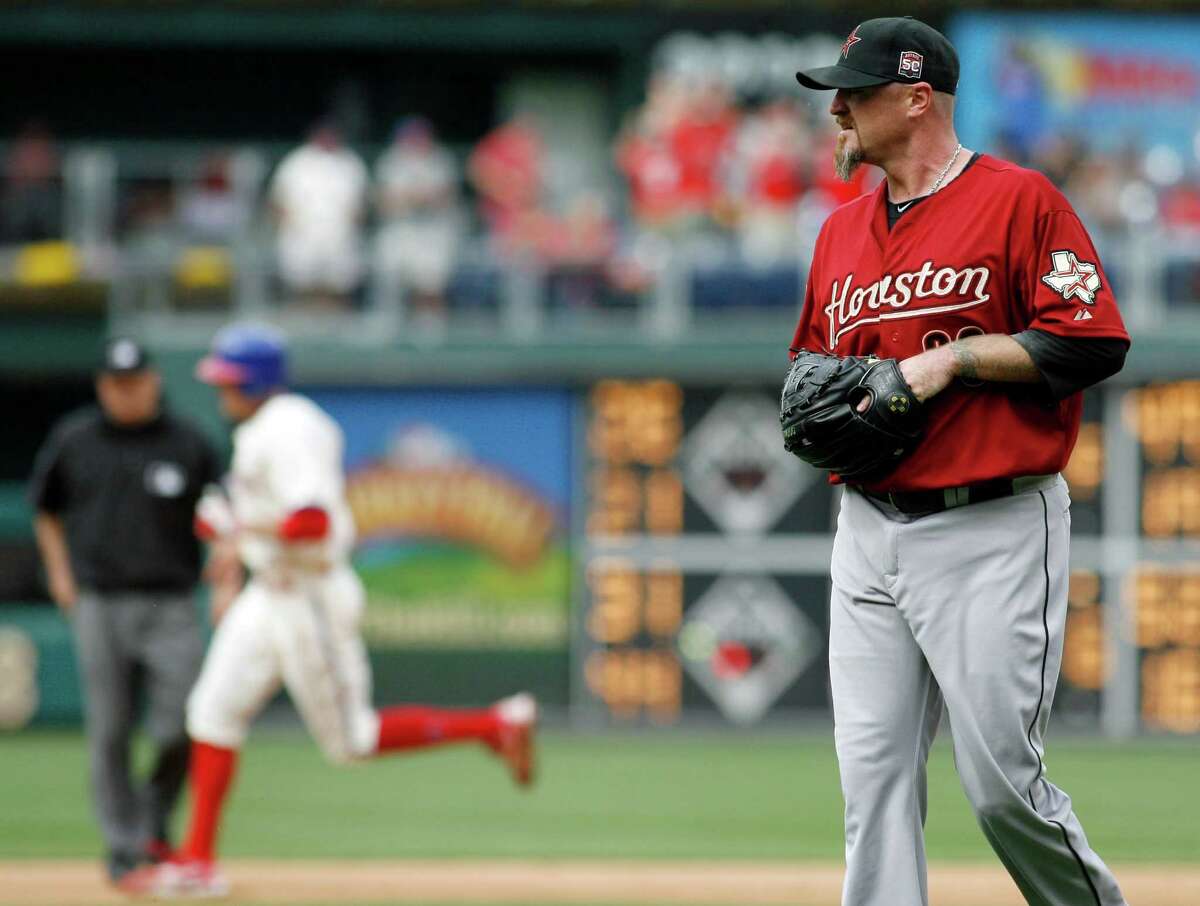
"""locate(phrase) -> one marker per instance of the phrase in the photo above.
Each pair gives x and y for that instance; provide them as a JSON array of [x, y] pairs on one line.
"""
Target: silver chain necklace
[[937, 183]]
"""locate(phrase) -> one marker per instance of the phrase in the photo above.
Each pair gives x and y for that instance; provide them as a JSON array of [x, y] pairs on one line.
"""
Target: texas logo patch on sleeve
[[1071, 277]]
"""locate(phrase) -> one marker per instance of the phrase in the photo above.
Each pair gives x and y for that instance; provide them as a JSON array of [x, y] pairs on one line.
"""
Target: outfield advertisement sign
[[461, 500], [1107, 80]]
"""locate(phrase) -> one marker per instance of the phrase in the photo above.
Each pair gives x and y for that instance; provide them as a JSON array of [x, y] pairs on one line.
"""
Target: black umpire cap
[[124, 355], [894, 49]]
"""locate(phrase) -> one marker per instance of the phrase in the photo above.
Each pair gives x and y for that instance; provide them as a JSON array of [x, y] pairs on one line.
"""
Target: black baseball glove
[[821, 424]]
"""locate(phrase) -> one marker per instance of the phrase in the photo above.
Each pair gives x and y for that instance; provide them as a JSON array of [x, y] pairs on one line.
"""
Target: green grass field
[[442, 570], [678, 796]]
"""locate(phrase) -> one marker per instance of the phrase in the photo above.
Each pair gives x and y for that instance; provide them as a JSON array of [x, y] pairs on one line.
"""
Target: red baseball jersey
[[997, 250]]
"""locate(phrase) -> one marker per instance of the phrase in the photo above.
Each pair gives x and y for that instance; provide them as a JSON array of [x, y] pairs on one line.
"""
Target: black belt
[[922, 503]]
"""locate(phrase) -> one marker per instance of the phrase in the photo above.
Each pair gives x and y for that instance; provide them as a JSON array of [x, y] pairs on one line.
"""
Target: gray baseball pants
[[125, 641], [965, 607]]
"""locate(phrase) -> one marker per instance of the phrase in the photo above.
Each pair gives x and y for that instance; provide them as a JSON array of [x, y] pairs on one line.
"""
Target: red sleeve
[[1069, 293], [308, 524], [203, 529]]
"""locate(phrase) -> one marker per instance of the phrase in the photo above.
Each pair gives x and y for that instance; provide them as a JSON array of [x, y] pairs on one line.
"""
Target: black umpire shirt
[[127, 498]]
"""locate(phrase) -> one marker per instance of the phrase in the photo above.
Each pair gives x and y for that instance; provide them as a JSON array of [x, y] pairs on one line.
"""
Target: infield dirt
[[79, 883]]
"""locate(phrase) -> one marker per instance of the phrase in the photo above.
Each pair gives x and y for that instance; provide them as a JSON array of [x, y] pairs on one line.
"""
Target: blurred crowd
[[694, 167], [695, 162], [1117, 192]]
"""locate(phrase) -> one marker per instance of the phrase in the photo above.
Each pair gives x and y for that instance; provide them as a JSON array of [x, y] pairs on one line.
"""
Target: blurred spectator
[[31, 186], [767, 177], [646, 158], [1181, 206], [319, 197], [700, 140], [148, 221], [576, 250], [1094, 186], [673, 153], [211, 211], [1021, 101], [585, 237], [421, 221], [1059, 157], [507, 170]]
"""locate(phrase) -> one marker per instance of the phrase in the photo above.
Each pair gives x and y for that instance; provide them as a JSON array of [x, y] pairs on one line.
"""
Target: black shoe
[[121, 864]]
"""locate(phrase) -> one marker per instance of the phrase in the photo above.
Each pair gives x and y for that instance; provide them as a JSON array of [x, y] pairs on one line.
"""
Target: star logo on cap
[[851, 40]]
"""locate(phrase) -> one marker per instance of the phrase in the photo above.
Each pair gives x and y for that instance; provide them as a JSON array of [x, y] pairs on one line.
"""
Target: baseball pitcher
[[295, 621], [951, 319]]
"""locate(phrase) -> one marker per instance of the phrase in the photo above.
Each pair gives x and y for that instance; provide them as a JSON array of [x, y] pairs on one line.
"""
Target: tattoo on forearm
[[968, 362]]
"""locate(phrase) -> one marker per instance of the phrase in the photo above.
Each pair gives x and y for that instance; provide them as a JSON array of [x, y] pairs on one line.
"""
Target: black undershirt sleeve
[[1070, 364]]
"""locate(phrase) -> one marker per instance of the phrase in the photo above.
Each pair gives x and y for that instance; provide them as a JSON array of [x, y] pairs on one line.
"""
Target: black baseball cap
[[124, 355], [893, 49]]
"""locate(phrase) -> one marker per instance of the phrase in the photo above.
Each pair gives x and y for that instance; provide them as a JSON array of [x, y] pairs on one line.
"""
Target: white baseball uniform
[[296, 621]]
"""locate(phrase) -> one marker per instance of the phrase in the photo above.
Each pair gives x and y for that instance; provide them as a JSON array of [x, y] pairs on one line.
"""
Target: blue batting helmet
[[251, 357]]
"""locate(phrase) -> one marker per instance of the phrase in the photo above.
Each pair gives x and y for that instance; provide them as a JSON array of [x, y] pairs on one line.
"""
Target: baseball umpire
[[951, 319], [115, 490]]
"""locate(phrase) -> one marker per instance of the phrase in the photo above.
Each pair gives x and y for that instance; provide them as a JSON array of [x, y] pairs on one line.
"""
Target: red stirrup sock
[[211, 774], [414, 727]]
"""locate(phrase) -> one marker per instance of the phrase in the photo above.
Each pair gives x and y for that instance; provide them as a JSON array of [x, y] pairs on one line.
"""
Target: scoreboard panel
[[684, 610], [704, 565], [1166, 419], [1163, 598], [1087, 661]]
